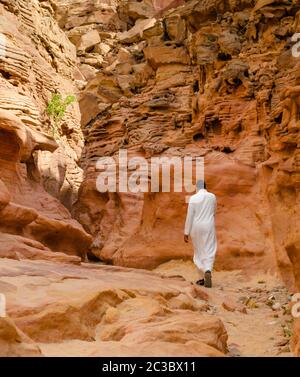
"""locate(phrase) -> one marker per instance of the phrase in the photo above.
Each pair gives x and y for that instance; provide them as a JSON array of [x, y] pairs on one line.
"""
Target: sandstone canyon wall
[[210, 78], [159, 78], [38, 163], [51, 299]]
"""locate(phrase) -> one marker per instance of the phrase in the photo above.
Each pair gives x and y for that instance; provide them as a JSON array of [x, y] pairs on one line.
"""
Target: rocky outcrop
[[167, 78], [38, 159], [14, 342], [37, 59], [97, 310], [52, 299], [206, 79]]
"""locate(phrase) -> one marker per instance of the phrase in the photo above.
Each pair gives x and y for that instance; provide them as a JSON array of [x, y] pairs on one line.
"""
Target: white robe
[[200, 225]]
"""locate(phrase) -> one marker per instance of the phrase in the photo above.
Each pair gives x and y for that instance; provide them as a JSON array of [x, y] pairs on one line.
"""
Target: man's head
[[201, 184]]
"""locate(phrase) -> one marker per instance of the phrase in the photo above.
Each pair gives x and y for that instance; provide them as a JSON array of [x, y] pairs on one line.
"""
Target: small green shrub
[[57, 106]]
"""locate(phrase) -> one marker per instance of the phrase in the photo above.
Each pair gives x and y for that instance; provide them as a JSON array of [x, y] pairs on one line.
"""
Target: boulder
[[88, 41], [13, 342], [104, 310], [136, 32]]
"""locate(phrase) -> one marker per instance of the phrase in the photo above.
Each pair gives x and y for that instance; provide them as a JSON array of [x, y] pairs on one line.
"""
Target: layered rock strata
[[105, 311], [212, 79], [40, 175]]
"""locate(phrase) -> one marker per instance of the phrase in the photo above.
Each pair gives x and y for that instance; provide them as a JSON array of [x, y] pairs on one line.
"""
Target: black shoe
[[200, 282], [207, 279]]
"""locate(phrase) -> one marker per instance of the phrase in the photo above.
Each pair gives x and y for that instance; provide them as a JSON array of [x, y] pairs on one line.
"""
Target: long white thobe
[[200, 225]]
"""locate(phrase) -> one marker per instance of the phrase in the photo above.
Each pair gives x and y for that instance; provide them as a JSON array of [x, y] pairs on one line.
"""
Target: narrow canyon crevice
[[165, 78]]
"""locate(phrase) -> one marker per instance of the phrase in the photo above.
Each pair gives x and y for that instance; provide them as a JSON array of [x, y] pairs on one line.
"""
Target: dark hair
[[201, 184]]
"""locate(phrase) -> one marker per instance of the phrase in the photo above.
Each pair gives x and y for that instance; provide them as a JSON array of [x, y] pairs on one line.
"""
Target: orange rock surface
[[39, 172], [159, 78], [212, 79], [102, 310]]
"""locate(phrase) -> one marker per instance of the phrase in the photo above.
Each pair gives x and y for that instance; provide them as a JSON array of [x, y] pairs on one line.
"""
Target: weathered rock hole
[[239, 129], [5, 75], [198, 137], [9, 146], [166, 38], [224, 57], [92, 257], [196, 86], [237, 82], [278, 119], [227, 150], [214, 127]]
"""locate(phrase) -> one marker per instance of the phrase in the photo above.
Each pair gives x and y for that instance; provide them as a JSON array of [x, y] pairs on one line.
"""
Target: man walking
[[200, 225]]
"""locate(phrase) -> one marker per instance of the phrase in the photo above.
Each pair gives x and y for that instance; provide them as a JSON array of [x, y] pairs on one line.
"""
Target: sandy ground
[[262, 331], [253, 308]]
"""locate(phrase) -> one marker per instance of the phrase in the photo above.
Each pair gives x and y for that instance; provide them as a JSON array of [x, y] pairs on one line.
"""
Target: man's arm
[[188, 221]]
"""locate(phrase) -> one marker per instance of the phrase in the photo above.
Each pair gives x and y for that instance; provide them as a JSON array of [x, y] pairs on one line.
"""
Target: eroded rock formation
[[168, 78], [213, 79], [14, 342], [40, 177], [38, 161], [102, 310], [208, 78]]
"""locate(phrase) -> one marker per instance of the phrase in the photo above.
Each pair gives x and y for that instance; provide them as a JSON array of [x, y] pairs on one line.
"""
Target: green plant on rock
[[57, 107], [286, 328]]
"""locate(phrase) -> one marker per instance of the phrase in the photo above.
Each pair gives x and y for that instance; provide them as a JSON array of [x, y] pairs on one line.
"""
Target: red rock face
[[211, 78], [209, 86], [104, 310], [34, 167]]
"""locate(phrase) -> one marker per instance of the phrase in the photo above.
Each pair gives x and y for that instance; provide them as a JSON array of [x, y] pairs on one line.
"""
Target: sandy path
[[262, 331], [253, 308]]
